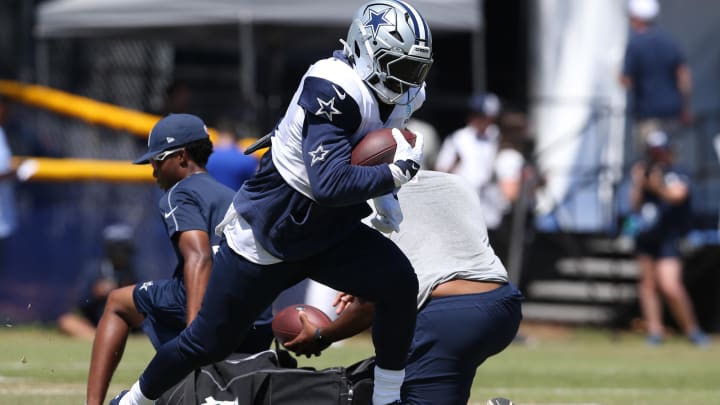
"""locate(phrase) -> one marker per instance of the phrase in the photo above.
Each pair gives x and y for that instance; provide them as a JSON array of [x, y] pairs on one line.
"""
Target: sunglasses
[[164, 155]]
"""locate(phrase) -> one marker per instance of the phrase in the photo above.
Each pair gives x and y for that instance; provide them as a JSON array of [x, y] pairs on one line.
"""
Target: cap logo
[[170, 139]]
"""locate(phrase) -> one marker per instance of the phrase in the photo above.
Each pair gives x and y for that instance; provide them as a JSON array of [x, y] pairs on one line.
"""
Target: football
[[286, 324], [378, 147]]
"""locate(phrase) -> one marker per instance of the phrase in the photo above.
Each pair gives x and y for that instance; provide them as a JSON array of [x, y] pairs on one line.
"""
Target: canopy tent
[[83, 18], [231, 22]]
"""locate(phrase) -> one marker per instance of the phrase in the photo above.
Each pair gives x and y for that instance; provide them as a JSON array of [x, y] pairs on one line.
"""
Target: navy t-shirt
[[198, 202], [668, 218], [231, 167], [651, 62]]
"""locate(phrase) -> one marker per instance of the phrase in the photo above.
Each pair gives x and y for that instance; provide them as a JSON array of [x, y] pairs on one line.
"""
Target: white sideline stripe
[[52, 390]]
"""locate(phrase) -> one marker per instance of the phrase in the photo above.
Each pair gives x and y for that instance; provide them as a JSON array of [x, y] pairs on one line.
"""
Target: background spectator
[[470, 152], [657, 75], [660, 195], [228, 164], [116, 269], [8, 220], [509, 174]]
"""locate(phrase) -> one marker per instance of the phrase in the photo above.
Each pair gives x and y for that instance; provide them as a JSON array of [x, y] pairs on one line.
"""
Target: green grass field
[[555, 366]]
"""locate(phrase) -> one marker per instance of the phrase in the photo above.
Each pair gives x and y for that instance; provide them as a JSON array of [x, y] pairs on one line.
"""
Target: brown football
[[286, 323], [378, 147]]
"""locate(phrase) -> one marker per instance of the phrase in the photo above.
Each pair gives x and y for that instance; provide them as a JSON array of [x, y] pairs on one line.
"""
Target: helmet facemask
[[388, 57]]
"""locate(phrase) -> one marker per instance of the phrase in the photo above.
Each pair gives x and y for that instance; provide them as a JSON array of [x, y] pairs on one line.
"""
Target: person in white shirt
[[470, 152]]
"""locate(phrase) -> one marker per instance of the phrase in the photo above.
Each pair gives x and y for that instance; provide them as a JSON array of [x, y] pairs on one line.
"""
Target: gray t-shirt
[[443, 233]]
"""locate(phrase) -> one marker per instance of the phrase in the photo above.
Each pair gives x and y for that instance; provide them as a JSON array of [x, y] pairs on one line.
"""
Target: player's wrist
[[320, 339], [403, 171]]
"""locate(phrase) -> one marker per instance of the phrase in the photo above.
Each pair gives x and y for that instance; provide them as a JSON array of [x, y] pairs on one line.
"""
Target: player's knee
[[403, 283], [205, 351], [116, 301]]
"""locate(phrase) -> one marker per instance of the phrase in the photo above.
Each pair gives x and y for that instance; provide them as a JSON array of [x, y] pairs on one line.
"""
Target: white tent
[[188, 21], [63, 18]]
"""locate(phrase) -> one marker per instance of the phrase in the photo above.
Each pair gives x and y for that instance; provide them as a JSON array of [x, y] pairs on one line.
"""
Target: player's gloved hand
[[407, 158], [388, 214]]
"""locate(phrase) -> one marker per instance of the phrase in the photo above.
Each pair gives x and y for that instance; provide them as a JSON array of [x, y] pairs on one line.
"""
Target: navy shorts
[[163, 304], [658, 244], [453, 336]]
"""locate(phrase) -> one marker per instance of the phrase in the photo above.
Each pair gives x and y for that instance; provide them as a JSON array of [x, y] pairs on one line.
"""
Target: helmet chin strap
[[348, 52]]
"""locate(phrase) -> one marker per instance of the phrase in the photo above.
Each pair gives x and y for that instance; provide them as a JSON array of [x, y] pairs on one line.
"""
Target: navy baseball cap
[[173, 132], [487, 104]]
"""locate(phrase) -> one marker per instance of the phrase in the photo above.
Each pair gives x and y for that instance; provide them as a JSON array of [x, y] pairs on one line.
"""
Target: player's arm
[[195, 249], [637, 185], [330, 122], [629, 67], [357, 317], [684, 84], [671, 187]]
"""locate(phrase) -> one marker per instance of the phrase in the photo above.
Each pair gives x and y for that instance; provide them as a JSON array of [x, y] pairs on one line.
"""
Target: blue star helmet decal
[[318, 155], [377, 20], [327, 108]]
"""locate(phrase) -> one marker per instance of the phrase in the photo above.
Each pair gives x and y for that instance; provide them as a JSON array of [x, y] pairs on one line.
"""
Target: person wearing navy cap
[[656, 75], [193, 205], [660, 197], [471, 152]]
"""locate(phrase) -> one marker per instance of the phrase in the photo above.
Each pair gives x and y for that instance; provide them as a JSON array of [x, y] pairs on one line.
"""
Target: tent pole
[[478, 52], [246, 50]]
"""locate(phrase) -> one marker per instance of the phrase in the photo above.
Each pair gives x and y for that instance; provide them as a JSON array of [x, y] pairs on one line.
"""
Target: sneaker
[[698, 338], [499, 401], [654, 340], [116, 400]]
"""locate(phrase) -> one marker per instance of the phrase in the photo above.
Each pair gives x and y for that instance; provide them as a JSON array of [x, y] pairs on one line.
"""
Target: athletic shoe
[[654, 340], [698, 338], [116, 400]]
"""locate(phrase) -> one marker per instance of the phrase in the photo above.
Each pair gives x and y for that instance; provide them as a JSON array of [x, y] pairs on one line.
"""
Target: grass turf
[[554, 366]]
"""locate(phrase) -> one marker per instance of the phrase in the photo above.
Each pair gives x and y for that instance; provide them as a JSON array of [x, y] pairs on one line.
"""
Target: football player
[[193, 204], [467, 309], [301, 215]]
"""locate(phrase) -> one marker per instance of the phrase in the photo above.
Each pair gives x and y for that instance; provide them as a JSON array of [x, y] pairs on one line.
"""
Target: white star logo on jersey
[[327, 108], [146, 285], [318, 155]]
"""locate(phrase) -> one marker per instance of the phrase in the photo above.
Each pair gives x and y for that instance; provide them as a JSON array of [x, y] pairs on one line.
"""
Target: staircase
[[582, 279]]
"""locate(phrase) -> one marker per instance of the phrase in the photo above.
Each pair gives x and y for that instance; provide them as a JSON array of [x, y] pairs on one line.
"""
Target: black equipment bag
[[273, 378]]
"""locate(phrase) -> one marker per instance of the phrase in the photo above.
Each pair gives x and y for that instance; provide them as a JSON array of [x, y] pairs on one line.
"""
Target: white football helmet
[[390, 46]]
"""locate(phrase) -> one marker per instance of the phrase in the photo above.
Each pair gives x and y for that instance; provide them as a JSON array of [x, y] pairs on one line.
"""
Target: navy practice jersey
[[197, 202], [306, 195]]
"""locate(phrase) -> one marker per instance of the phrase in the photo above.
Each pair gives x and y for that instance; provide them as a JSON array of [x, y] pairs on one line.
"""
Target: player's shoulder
[[331, 92], [337, 78], [199, 187]]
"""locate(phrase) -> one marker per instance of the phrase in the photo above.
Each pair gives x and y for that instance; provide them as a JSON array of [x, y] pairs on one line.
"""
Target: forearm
[[197, 274], [673, 195], [635, 196], [357, 317], [684, 80]]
